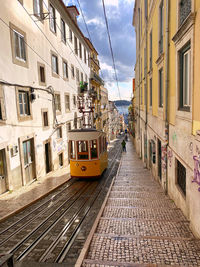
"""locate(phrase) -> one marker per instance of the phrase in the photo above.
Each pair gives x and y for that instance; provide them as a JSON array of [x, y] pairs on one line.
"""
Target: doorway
[[29, 160], [47, 157], [3, 171], [159, 160]]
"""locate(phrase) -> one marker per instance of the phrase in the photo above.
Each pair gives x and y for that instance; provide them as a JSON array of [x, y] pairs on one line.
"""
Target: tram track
[[51, 239]]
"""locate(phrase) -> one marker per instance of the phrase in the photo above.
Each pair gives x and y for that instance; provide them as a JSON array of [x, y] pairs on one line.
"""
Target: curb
[[94, 227]]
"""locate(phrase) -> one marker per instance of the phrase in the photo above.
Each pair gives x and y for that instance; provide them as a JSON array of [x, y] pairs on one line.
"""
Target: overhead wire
[[111, 50]]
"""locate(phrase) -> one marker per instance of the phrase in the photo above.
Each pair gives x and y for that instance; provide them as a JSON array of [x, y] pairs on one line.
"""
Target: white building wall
[[41, 41]]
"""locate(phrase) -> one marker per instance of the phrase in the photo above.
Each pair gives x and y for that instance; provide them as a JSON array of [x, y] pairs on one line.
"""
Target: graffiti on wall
[[196, 178], [164, 157], [170, 156]]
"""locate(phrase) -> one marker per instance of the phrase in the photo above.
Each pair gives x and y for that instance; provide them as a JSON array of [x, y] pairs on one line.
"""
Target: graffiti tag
[[196, 171]]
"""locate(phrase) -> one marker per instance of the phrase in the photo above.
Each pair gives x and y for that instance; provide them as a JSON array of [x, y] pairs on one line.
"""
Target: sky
[[119, 16]]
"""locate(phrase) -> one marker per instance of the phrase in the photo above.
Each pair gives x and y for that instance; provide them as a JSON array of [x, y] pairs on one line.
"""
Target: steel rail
[[19, 244], [68, 245], [34, 218], [74, 234], [43, 234], [37, 208]]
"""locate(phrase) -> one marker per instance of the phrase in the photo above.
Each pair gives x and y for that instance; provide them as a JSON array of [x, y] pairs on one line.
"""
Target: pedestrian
[[126, 137], [123, 146]]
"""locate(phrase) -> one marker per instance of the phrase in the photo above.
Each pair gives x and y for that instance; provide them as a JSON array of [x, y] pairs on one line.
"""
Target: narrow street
[[140, 225]]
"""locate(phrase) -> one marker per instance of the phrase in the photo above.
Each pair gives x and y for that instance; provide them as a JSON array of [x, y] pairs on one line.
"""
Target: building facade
[[114, 121], [166, 98], [43, 58]]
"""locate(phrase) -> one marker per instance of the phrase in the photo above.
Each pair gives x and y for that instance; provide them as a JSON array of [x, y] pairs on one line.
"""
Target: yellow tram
[[87, 152]]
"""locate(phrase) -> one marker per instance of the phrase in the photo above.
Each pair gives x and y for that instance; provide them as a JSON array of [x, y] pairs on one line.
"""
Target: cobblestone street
[[140, 225]]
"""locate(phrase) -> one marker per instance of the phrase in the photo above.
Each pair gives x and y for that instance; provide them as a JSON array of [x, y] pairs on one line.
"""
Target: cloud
[[119, 15]]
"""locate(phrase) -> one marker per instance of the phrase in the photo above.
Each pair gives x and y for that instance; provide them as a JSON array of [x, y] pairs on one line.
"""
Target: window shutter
[[2, 104]]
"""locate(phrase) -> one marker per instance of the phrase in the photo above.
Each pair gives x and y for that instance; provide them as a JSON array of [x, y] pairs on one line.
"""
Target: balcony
[[95, 77]]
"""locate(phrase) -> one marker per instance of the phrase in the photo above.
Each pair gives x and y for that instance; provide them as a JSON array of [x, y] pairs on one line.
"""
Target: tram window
[[93, 149], [72, 150], [82, 147]]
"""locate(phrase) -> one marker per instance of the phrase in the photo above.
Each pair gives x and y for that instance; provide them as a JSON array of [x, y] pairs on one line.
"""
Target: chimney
[[73, 12]]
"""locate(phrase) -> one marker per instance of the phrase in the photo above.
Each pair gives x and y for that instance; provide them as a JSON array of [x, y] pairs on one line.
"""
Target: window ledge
[[184, 27]]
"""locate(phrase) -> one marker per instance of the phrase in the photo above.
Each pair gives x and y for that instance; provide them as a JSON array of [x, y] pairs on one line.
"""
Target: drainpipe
[[166, 89], [146, 96]]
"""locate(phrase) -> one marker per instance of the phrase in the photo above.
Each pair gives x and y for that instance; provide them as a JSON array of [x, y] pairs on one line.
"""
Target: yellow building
[[167, 98], [95, 84]]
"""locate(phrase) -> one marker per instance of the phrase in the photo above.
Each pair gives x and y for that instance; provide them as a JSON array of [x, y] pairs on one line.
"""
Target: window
[[63, 32], [93, 149], [161, 28], [74, 100], [141, 96], [185, 78], [65, 70], [67, 102], [181, 176], [72, 71], [45, 119], [161, 88], [150, 88], [75, 45], [59, 132], [80, 50], [77, 76], [86, 78], [72, 149], [23, 103], [57, 103], [82, 149], [184, 10], [68, 126], [85, 56], [70, 35], [18, 45], [54, 64], [60, 157], [150, 50], [38, 8], [52, 13], [2, 105], [81, 77], [41, 74]]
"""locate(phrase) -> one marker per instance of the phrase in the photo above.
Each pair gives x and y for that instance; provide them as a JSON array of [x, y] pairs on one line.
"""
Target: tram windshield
[[82, 149], [93, 149]]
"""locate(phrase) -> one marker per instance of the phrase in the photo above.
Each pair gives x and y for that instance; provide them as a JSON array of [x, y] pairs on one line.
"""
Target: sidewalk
[[11, 203], [138, 224]]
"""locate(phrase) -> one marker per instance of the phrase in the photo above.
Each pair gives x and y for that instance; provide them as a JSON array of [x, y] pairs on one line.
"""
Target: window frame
[[72, 71], [70, 35], [45, 110], [54, 74], [22, 117], [150, 92], [63, 30], [60, 131], [39, 65], [76, 45], [67, 110], [181, 53], [90, 145], [77, 76], [80, 50], [82, 153], [2, 105], [52, 29], [65, 73], [161, 27], [16, 60], [40, 14], [58, 111], [160, 88], [183, 191]]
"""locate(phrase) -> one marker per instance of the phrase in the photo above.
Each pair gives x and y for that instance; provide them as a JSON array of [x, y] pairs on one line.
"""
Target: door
[[159, 159], [3, 173], [29, 160], [47, 157]]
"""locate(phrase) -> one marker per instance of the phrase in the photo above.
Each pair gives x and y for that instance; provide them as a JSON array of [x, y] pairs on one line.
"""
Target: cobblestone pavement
[[140, 225]]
